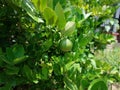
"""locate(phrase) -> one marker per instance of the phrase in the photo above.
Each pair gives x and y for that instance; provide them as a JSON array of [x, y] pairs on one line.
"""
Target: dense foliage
[[50, 44]]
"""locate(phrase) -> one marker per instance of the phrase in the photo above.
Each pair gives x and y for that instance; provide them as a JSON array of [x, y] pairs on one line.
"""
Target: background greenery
[[30, 54]]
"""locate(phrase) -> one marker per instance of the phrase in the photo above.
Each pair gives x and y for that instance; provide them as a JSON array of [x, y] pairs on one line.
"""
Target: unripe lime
[[66, 45]]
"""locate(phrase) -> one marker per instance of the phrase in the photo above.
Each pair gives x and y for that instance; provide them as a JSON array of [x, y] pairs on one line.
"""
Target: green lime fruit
[[66, 45]]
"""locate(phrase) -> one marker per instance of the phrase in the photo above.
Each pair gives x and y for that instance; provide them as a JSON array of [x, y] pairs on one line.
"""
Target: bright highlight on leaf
[[69, 28], [29, 8]]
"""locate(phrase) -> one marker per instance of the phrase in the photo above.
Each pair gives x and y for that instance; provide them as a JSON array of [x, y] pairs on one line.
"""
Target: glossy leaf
[[61, 17], [69, 29], [29, 8], [69, 84], [15, 55], [98, 84], [50, 16], [43, 5], [19, 59]]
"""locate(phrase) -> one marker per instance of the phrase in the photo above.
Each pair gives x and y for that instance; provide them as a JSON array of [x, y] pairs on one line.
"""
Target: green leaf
[[14, 54], [6, 87], [36, 3], [47, 44], [44, 73], [18, 51], [84, 84], [93, 63], [3, 58], [30, 9], [69, 28], [11, 70], [61, 17], [84, 39], [69, 64], [98, 84], [77, 67], [28, 6], [9, 54], [62, 2], [43, 5], [56, 69], [20, 59], [69, 84], [28, 72], [50, 16], [16, 2], [86, 15], [50, 3]]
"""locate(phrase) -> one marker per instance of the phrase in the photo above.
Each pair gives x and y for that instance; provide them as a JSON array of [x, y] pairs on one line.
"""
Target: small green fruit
[[66, 45]]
